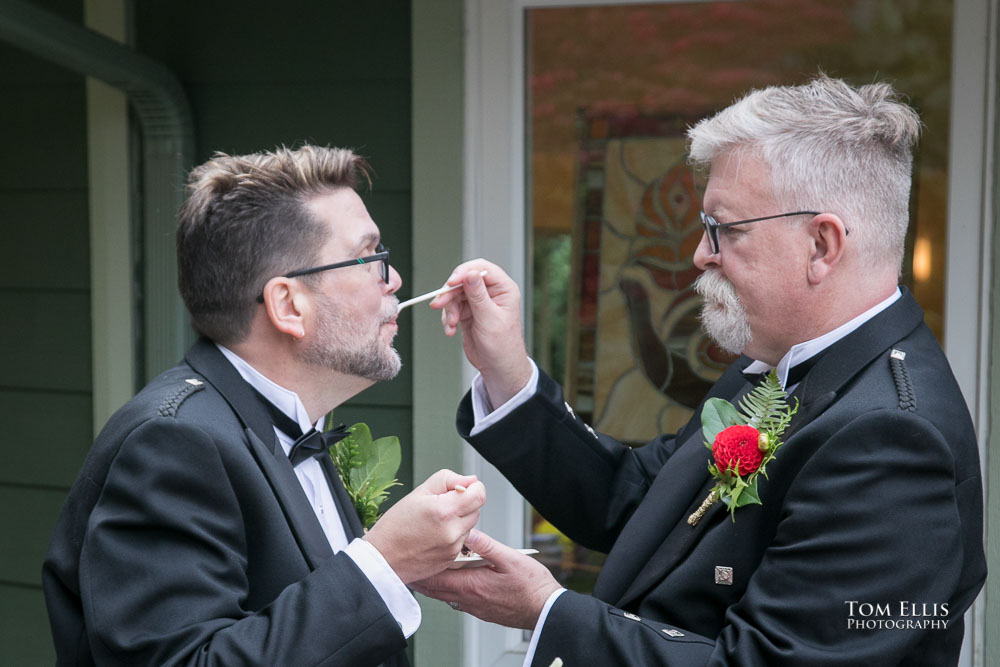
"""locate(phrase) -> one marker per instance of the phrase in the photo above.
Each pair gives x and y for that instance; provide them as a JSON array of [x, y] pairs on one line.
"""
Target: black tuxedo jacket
[[187, 539], [867, 548]]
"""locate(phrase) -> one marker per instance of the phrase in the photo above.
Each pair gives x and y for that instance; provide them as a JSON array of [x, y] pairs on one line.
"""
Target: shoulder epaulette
[[168, 408], [901, 376]]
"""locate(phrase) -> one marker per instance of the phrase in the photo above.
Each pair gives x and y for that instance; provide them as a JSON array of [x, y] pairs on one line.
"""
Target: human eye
[[368, 253], [368, 250]]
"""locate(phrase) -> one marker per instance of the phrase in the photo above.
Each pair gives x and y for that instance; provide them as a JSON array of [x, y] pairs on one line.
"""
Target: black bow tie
[[314, 444]]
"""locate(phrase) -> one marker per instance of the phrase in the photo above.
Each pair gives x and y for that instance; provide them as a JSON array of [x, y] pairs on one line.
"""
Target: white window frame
[[494, 226], [111, 280]]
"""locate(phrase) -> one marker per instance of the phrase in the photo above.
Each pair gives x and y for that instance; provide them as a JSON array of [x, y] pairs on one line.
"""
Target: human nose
[[704, 258]]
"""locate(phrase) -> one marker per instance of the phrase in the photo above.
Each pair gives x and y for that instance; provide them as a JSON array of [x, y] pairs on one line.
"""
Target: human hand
[[423, 533], [512, 592], [489, 311]]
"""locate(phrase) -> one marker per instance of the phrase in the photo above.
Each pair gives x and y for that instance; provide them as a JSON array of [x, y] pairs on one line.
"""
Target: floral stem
[[705, 504]]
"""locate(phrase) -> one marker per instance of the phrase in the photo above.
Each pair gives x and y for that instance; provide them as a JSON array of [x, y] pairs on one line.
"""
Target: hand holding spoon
[[431, 295]]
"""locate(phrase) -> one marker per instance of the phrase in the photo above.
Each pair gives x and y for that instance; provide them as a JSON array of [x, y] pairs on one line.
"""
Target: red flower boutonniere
[[742, 443]]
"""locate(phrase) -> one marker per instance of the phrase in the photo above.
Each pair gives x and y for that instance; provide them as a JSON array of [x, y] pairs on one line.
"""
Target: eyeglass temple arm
[[766, 217]]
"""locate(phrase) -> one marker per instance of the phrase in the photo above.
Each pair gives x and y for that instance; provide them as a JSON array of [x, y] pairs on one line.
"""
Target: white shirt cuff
[[536, 633], [484, 415], [397, 597]]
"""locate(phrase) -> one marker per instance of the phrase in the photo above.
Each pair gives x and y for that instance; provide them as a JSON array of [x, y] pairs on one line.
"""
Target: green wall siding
[[259, 75], [45, 386]]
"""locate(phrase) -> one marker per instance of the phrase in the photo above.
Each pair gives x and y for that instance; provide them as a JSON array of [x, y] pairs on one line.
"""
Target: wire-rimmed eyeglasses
[[381, 255], [712, 226]]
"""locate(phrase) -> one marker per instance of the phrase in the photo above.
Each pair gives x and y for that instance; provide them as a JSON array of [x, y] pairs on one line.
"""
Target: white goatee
[[722, 314]]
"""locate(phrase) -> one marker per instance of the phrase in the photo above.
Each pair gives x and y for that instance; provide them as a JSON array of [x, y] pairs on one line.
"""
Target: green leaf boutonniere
[[742, 443], [368, 469]]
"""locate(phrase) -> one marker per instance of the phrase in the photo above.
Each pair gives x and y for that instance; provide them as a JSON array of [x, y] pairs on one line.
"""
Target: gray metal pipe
[[164, 114]]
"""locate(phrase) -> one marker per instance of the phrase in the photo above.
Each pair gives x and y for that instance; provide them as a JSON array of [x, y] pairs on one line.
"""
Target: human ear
[[828, 235], [285, 302]]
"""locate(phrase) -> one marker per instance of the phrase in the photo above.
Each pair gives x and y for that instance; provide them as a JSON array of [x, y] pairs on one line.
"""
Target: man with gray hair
[[208, 525], [862, 545]]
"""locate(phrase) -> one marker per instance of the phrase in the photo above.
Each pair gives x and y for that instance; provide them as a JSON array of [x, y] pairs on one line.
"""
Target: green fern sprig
[[764, 408], [345, 455]]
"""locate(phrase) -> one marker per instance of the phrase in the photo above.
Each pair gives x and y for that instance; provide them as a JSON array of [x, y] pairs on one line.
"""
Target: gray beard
[[343, 346], [722, 315]]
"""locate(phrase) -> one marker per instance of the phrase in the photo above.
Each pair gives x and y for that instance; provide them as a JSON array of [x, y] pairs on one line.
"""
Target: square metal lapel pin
[[723, 575]]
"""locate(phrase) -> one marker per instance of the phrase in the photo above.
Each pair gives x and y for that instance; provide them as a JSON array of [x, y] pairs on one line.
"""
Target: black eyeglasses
[[381, 255], [712, 226]]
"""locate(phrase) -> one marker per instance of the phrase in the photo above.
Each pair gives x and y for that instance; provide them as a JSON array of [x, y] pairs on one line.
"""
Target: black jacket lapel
[[817, 391], [682, 536], [681, 488], [848, 356], [205, 358], [348, 515], [680, 482], [299, 513]]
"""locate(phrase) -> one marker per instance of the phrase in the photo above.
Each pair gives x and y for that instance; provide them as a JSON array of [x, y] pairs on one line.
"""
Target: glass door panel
[[613, 207]]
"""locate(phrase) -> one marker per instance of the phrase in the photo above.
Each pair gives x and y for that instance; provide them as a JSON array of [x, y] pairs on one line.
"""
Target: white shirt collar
[[810, 348], [285, 400]]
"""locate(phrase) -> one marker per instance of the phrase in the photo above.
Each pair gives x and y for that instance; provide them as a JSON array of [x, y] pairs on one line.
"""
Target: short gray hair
[[830, 147]]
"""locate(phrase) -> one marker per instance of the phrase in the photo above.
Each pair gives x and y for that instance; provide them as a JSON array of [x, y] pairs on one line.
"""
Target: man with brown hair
[[208, 524]]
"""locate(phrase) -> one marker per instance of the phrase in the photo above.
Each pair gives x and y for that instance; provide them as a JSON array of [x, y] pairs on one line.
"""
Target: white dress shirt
[[394, 593], [485, 416]]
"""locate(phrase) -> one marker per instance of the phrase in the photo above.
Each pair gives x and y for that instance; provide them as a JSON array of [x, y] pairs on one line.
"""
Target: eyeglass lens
[[384, 262], [711, 231]]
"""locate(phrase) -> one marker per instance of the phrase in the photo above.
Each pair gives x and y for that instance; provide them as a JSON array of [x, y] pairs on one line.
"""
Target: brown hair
[[244, 221]]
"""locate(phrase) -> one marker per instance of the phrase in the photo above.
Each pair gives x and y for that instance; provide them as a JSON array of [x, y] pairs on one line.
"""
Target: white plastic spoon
[[431, 295]]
